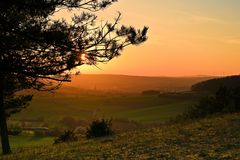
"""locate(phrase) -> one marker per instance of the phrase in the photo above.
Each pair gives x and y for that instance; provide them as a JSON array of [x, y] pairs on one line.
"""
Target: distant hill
[[128, 84], [213, 85]]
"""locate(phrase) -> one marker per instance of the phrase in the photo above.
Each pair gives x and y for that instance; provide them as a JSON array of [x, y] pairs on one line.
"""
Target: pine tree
[[38, 52]]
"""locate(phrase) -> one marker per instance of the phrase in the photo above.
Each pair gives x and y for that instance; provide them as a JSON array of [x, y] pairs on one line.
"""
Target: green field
[[29, 141], [142, 109], [133, 107], [213, 138]]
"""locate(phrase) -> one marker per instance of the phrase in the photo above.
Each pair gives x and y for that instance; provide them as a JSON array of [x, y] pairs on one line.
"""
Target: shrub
[[224, 101], [100, 128], [205, 106], [67, 136]]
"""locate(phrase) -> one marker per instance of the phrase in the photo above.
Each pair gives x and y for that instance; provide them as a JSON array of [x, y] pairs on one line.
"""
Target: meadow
[[213, 138], [129, 112], [29, 141], [153, 108], [117, 96]]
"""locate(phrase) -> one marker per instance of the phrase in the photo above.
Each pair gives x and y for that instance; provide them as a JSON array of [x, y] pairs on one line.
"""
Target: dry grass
[[215, 138]]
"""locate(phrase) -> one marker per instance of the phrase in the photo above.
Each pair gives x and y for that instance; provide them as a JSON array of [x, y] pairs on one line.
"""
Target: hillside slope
[[213, 85], [137, 107], [210, 138]]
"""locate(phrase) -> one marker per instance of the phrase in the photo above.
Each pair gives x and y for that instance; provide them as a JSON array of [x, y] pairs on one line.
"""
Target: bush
[[206, 106], [67, 136], [100, 128], [224, 101]]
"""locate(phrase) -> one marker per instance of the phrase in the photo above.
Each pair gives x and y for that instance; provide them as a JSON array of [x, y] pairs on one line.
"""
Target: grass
[[156, 113], [29, 141], [213, 138], [132, 107], [139, 108]]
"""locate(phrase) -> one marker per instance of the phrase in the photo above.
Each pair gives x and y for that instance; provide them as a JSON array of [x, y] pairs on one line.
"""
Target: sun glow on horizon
[[188, 37]]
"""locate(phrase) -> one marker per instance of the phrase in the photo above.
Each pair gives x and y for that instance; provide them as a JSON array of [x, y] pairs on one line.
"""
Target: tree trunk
[[3, 121]]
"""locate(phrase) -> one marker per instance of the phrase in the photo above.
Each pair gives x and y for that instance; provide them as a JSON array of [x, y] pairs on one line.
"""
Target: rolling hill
[[128, 84], [213, 85], [91, 96]]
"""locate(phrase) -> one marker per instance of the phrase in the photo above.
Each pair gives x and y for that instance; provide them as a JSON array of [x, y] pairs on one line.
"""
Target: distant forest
[[213, 85]]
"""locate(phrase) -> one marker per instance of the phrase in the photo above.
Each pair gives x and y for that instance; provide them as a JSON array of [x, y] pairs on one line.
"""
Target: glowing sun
[[83, 57]]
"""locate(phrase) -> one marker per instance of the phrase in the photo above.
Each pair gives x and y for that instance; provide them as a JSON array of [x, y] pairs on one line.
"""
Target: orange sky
[[186, 37]]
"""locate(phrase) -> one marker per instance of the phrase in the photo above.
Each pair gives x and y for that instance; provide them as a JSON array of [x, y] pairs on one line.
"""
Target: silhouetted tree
[[13, 102], [39, 52]]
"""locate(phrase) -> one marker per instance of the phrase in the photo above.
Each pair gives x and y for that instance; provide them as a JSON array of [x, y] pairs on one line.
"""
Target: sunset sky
[[186, 38]]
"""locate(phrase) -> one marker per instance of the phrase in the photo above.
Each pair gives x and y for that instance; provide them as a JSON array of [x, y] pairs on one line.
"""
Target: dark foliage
[[67, 136], [37, 49], [100, 128], [224, 101], [14, 103], [40, 52], [214, 84]]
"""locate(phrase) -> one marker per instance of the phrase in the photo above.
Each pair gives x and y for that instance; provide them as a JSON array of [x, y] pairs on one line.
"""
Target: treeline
[[214, 84], [225, 100]]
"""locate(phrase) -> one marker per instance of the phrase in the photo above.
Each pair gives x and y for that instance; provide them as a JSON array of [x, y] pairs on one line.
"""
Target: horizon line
[[98, 74]]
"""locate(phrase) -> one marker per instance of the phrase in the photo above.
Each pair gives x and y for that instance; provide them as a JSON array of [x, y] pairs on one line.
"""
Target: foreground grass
[[29, 141], [210, 138]]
